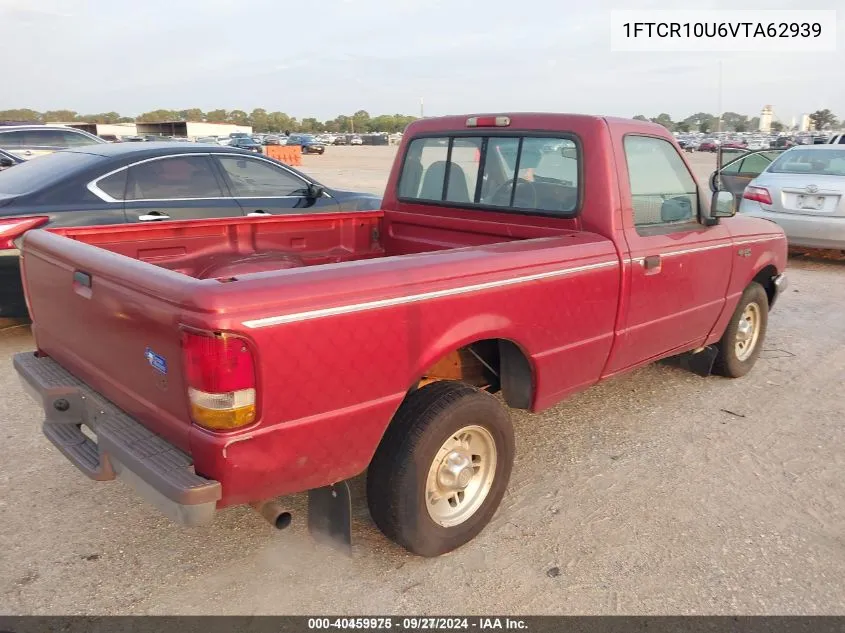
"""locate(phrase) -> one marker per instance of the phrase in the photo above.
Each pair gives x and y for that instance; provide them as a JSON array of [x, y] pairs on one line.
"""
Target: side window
[[12, 140], [754, 164], [732, 168], [114, 185], [252, 178], [45, 138], [74, 139], [174, 178], [663, 192]]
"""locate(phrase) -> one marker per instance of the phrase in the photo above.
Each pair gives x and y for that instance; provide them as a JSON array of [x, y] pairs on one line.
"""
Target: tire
[[731, 361], [424, 433]]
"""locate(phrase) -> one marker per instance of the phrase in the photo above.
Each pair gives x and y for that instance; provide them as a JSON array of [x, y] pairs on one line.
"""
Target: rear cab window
[[524, 173]]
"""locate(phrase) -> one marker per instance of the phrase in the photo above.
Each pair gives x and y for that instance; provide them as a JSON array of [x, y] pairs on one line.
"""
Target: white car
[[356, 140], [29, 141]]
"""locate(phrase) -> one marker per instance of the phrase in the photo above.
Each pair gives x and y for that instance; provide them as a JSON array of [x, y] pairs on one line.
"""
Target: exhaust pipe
[[273, 512]]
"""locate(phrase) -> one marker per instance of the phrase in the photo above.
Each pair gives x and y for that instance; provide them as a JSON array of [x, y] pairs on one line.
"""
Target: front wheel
[[441, 469], [742, 341]]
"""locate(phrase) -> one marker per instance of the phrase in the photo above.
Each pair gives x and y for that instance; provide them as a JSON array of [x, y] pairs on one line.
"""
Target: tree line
[[734, 122], [259, 119], [362, 122]]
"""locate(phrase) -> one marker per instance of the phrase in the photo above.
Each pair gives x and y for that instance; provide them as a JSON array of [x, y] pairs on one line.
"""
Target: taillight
[[758, 194], [220, 373], [488, 121], [12, 228]]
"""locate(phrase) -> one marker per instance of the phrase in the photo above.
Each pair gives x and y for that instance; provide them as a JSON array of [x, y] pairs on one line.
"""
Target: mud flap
[[330, 516], [700, 363]]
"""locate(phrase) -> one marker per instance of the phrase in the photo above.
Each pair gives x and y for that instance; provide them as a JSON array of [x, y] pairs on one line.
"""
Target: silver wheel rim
[[460, 476], [747, 332]]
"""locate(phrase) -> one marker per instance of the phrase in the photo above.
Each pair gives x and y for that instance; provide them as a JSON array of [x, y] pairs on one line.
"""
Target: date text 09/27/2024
[[419, 623]]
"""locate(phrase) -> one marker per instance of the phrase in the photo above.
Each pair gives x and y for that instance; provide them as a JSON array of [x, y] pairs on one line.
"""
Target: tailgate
[[113, 322]]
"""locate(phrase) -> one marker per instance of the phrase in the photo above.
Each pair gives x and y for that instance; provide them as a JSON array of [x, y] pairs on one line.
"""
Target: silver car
[[802, 190]]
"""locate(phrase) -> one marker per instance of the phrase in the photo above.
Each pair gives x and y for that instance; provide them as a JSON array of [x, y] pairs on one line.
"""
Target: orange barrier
[[289, 155]]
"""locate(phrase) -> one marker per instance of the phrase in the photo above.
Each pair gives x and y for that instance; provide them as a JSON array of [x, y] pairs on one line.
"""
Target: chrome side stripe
[[424, 296], [687, 251]]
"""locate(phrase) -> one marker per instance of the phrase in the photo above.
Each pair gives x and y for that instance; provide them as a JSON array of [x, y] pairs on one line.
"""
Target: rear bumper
[[808, 231], [124, 449]]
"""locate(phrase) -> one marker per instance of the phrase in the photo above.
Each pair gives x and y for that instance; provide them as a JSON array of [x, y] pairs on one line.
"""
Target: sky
[[335, 57]]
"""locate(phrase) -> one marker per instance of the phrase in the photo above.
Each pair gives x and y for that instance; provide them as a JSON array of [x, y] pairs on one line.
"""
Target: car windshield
[[829, 162], [43, 171]]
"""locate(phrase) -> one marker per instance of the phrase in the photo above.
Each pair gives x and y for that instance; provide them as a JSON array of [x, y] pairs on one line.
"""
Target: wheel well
[[491, 364], [766, 279]]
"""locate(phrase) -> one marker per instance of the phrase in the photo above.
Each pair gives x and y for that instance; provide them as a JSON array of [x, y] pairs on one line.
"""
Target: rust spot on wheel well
[[490, 364]]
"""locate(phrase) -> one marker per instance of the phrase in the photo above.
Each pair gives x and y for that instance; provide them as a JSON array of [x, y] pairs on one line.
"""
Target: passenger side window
[[114, 185], [74, 139], [174, 178], [46, 138], [253, 178], [12, 140], [754, 164], [663, 192]]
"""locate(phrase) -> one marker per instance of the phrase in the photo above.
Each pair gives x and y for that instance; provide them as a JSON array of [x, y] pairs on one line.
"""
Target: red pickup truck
[[228, 362]]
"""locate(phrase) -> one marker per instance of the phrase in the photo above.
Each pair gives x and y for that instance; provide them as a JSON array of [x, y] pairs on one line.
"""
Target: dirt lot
[[659, 492]]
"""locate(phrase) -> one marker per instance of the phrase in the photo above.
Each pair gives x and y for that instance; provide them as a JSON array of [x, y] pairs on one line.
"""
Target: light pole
[[719, 93]]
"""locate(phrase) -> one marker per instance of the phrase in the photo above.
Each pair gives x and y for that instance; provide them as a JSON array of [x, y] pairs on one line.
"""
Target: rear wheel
[[441, 469], [742, 341]]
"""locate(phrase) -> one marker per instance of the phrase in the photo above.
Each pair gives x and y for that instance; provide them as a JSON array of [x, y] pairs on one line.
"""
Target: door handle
[[258, 212], [651, 262], [152, 216]]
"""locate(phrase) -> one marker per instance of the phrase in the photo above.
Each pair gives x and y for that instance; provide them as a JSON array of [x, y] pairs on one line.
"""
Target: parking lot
[[657, 492]]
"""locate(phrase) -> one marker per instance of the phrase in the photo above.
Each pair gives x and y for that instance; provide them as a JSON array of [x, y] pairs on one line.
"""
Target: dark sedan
[[247, 143], [308, 143], [146, 182]]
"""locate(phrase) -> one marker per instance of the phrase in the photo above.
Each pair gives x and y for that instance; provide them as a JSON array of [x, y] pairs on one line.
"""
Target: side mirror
[[315, 191], [714, 186], [6, 162], [676, 209], [723, 204]]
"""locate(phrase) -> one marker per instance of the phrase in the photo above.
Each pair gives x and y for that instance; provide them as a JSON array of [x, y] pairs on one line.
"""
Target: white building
[[805, 123], [104, 129], [766, 119], [191, 129]]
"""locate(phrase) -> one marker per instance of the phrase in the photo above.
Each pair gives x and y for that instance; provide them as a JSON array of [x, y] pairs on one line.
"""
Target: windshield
[[43, 171], [829, 162]]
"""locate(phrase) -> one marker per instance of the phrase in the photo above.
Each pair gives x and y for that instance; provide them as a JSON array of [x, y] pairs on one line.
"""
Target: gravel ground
[[658, 492]]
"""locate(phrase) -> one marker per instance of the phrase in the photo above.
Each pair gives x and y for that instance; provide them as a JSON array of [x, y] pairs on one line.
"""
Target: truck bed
[[224, 248]]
